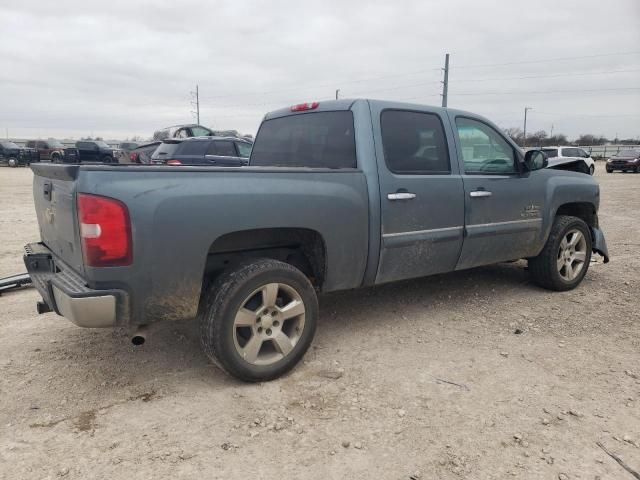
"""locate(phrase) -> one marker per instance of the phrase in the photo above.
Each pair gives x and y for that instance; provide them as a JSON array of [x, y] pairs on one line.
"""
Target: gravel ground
[[476, 374]]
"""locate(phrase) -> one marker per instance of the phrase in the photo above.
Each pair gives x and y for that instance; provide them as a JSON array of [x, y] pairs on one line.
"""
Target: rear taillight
[[173, 162], [105, 231], [301, 107], [133, 156]]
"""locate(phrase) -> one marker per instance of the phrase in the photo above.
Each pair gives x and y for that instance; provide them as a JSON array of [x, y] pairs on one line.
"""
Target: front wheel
[[565, 258], [257, 320], [13, 162], [592, 169]]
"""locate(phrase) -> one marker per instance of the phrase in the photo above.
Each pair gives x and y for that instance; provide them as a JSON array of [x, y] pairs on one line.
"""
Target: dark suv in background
[[219, 151], [91, 151], [14, 155], [52, 150]]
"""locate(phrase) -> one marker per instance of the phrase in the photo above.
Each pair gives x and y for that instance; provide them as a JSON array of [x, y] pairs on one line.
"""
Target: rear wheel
[[13, 162], [592, 169], [257, 320], [565, 258], [55, 158]]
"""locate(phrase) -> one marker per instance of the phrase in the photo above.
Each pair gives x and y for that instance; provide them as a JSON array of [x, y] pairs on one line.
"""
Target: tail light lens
[[105, 231], [173, 162], [133, 156]]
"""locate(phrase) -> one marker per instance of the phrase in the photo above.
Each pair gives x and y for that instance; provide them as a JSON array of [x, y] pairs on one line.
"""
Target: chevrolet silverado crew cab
[[337, 195]]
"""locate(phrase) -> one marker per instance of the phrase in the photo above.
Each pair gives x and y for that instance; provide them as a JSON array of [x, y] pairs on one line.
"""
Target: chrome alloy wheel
[[572, 255], [268, 324]]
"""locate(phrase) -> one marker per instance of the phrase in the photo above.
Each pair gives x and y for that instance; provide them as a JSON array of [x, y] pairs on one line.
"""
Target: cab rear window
[[312, 140]]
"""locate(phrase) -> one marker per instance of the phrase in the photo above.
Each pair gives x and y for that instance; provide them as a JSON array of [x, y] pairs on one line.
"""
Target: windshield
[[102, 144], [55, 144], [9, 145], [633, 152]]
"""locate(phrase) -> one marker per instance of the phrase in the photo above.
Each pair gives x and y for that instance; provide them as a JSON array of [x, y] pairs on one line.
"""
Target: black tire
[[592, 169], [13, 162], [543, 268], [55, 158], [609, 170], [228, 293]]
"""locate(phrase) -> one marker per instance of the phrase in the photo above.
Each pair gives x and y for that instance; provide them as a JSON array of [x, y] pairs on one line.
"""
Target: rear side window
[[193, 148], [414, 143], [165, 150], [313, 140], [551, 152], [225, 149]]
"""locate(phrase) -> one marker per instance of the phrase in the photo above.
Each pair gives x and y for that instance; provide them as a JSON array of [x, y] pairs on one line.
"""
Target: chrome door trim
[[402, 239]]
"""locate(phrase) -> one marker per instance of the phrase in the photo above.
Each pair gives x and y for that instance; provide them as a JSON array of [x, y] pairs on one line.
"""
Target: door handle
[[479, 193], [401, 196]]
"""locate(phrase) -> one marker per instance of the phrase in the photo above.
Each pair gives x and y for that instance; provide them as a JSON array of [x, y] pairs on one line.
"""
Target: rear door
[[421, 192], [503, 207]]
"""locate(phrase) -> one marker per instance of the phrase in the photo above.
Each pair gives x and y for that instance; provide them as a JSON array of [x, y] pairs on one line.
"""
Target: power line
[[557, 59], [573, 74], [417, 72], [549, 91]]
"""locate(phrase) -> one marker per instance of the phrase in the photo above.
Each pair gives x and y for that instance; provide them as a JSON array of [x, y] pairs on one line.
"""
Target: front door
[[421, 194], [503, 206]]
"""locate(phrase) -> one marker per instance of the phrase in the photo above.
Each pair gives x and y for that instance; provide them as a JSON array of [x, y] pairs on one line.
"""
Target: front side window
[[414, 143], [312, 140], [244, 149], [484, 150]]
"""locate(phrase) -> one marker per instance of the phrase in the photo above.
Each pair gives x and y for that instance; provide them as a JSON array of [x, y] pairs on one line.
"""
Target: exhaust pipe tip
[[139, 336]]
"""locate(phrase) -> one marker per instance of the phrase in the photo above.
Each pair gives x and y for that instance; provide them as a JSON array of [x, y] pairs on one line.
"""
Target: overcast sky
[[123, 68]]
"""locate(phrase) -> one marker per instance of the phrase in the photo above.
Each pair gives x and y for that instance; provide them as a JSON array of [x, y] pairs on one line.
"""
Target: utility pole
[[524, 133], [197, 104], [551, 134], [445, 83], [337, 93]]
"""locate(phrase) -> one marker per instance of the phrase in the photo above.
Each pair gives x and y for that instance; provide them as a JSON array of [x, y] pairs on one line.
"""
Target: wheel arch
[[584, 210], [303, 248]]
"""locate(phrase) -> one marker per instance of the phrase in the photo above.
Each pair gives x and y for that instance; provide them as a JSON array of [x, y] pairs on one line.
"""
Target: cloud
[[117, 69]]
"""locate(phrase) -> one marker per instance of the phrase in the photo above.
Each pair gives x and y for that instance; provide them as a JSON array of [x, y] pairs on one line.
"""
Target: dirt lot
[[421, 379]]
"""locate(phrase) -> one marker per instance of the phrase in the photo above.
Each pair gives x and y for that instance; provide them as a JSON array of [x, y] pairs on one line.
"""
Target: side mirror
[[535, 160]]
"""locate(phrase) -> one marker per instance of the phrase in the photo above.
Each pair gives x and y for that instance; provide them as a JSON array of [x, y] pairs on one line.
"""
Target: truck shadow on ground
[[172, 353]]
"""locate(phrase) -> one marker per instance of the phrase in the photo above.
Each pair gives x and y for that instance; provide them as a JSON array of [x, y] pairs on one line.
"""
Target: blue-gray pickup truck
[[337, 195]]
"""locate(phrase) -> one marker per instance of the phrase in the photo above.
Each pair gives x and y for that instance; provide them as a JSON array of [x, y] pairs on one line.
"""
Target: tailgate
[[54, 198]]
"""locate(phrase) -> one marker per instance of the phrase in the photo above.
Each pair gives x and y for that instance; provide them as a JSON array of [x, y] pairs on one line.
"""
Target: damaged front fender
[[599, 244]]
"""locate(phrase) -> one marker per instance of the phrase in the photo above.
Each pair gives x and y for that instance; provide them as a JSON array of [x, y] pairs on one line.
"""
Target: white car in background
[[560, 155]]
